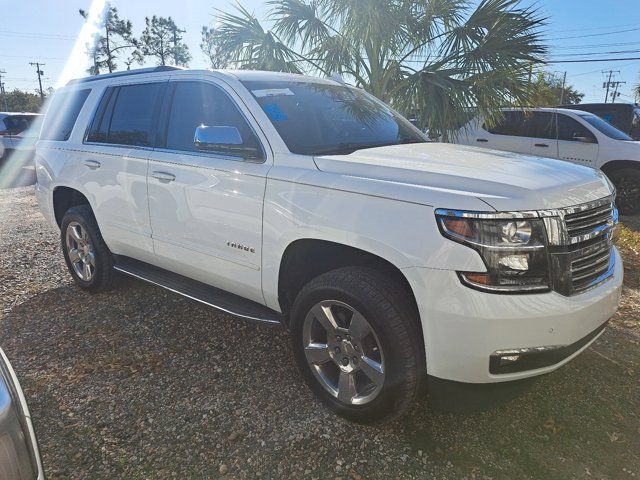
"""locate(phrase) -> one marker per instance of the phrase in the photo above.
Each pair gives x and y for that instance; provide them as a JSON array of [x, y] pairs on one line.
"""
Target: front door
[[205, 206], [576, 143]]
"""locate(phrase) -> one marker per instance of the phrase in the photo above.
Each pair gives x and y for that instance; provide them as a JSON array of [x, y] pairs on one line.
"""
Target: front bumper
[[463, 327]]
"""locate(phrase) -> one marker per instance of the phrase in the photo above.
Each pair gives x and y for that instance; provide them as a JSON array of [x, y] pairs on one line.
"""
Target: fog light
[[520, 263]]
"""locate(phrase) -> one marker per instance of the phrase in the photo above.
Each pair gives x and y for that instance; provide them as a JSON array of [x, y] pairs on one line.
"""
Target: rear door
[[206, 206], [541, 129], [576, 143], [113, 167]]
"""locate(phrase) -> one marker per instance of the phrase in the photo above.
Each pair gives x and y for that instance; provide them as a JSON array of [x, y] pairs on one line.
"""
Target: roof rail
[[125, 73]]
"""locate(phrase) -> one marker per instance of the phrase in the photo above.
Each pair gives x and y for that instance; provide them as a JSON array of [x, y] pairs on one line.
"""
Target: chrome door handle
[[92, 164], [481, 140], [164, 177], [540, 145]]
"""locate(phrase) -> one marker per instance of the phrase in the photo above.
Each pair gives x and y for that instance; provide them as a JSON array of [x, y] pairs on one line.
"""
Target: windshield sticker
[[274, 113], [272, 92]]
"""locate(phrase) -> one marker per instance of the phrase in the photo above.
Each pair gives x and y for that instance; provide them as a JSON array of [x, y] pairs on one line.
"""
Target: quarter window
[[62, 114], [197, 104]]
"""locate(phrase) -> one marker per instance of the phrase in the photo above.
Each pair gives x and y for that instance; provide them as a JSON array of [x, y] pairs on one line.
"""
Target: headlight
[[513, 250]]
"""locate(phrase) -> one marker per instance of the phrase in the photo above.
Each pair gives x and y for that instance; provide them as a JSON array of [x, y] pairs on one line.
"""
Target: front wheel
[[357, 342], [627, 182]]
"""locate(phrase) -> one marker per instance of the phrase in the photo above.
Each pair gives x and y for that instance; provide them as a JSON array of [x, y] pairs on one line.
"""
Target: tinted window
[[133, 115], [635, 125], [542, 125], [62, 114], [316, 118], [100, 126], [197, 104], [16, 124], [512, 124], [570, 130]]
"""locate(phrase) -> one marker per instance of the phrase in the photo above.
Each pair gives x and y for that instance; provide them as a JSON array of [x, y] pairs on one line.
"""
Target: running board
[[201, 292]]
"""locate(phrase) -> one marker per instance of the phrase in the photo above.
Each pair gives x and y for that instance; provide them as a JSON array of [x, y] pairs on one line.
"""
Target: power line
[[588, 60], [596, 45], [596, 53], [597, 34]]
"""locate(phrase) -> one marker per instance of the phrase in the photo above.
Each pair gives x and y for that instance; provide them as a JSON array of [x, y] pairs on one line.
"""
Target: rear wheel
[[87, 256], [627, 182], [357, 344]]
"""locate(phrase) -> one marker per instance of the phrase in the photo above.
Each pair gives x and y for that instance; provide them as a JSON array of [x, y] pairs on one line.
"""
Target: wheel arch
[[64, 198], [306, 258], [613, 165]]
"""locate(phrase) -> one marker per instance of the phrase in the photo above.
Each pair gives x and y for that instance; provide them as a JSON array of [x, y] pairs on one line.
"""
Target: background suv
[[571, 135]]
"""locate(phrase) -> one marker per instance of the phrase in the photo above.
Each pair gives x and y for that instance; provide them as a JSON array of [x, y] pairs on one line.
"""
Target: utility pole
[[4, 94], [40, 74], [608, 83], [564, 83], [615, 91]]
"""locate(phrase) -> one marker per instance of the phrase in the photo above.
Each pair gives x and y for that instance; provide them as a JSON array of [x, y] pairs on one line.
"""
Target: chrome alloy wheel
[[80, 251], [343, 352]]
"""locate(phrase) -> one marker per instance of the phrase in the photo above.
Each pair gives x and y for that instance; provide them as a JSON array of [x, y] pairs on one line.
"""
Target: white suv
[[299, 201], [571, 135]]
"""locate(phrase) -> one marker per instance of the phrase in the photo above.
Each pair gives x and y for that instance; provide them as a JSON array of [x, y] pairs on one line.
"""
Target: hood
[[505, 181]]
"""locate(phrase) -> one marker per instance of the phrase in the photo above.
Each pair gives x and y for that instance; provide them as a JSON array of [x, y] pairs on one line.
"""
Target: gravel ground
[[142, 383]]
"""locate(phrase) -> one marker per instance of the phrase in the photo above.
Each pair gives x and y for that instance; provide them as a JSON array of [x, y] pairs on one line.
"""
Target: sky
[[47, 31]]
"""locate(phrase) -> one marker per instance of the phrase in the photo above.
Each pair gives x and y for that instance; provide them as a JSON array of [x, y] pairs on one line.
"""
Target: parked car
[[293, 200], [623, 116], [19, 456], [571, 135], [16, 134]]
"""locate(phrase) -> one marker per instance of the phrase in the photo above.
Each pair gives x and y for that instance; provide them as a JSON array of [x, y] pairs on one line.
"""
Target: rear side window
[[126, 115], [62, 114], [542, 125]]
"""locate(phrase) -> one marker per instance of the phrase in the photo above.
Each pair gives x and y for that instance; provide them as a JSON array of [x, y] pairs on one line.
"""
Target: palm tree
[[436, 59]]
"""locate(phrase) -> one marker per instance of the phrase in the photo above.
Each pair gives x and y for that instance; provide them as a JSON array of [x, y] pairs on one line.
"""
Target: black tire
[[627, 182], [392, 315], [104, 274]]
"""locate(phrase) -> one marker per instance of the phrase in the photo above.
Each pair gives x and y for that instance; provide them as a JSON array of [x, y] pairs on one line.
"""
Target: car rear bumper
[[467, 331]]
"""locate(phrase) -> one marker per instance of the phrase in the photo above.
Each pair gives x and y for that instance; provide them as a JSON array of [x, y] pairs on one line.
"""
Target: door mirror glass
[[224, 140]]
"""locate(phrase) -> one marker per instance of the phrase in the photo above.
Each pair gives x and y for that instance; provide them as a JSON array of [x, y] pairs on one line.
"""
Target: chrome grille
[[590, 265], [589, 229], [580, 245], [587, 222]]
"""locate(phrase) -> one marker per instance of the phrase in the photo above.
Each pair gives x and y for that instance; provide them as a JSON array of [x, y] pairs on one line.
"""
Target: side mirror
[[579, 138], [19, 456], [224, 140]]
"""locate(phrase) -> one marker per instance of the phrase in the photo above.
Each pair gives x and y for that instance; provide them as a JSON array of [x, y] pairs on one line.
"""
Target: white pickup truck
[[294, 200]]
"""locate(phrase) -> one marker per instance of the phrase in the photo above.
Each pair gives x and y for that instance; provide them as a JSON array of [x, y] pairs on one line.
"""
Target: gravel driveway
[[142, 383]]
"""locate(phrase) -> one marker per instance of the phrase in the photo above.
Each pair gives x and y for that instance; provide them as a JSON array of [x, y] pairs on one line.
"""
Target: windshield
[[323, 119], [605, 127]]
